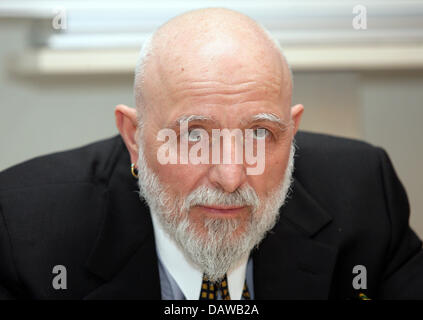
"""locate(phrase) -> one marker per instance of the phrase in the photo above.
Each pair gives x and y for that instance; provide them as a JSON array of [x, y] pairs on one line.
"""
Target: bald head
[[212, 45]]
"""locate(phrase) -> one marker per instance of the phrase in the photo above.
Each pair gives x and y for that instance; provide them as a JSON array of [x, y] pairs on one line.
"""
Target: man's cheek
[[274, 173], [176, 176]]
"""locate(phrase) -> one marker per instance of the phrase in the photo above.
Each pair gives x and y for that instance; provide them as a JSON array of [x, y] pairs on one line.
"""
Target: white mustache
[[206, 196]]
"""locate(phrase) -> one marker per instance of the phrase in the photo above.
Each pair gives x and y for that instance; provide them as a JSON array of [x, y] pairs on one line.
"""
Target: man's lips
[[223, 209]]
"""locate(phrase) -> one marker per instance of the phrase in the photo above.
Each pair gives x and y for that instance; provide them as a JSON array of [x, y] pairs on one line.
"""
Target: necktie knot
[[213, 291]]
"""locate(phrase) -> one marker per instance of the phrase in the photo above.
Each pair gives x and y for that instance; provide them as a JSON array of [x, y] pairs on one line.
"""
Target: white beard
[[216, 250]]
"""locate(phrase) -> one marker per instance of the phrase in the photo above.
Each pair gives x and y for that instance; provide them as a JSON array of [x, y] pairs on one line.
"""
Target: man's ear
[[127, 124], [296, 113]]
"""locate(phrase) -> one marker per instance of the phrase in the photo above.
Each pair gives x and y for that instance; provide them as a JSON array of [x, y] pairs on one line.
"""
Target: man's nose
[[227, 177]]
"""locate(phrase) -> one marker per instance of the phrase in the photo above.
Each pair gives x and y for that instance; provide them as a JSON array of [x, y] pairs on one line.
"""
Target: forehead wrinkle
[[204, 88]]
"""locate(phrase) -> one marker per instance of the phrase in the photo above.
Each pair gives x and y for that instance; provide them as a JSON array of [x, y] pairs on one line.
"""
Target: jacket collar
[[289, 263]]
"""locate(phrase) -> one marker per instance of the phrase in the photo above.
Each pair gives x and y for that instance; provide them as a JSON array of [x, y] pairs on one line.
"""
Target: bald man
[[197, 197]]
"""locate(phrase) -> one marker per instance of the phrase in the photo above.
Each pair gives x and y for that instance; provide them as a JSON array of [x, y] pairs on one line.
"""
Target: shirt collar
[[187, 275]]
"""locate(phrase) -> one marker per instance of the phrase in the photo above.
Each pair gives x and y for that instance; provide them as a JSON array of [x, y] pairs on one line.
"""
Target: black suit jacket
[[80, 209]]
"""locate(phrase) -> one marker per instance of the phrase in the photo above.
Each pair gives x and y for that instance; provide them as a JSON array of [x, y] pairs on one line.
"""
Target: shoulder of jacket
[[88, 163]]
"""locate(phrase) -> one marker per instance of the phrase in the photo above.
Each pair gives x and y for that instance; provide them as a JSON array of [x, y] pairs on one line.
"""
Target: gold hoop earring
[[134, 171]]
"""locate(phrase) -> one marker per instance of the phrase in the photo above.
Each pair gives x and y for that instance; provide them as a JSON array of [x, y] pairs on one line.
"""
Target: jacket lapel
[[124, 255], [289, 263], [138, 279]]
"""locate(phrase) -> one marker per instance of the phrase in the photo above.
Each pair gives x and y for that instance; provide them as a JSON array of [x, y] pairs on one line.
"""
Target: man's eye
[[194, 135], [260, 133]]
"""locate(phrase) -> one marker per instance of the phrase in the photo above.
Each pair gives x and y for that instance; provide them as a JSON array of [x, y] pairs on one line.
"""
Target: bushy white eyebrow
[[187, 118], [193, 117], [266, 116], [271, 117]]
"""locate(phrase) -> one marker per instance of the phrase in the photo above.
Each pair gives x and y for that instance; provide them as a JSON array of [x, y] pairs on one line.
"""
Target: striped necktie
[[210, 291]]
